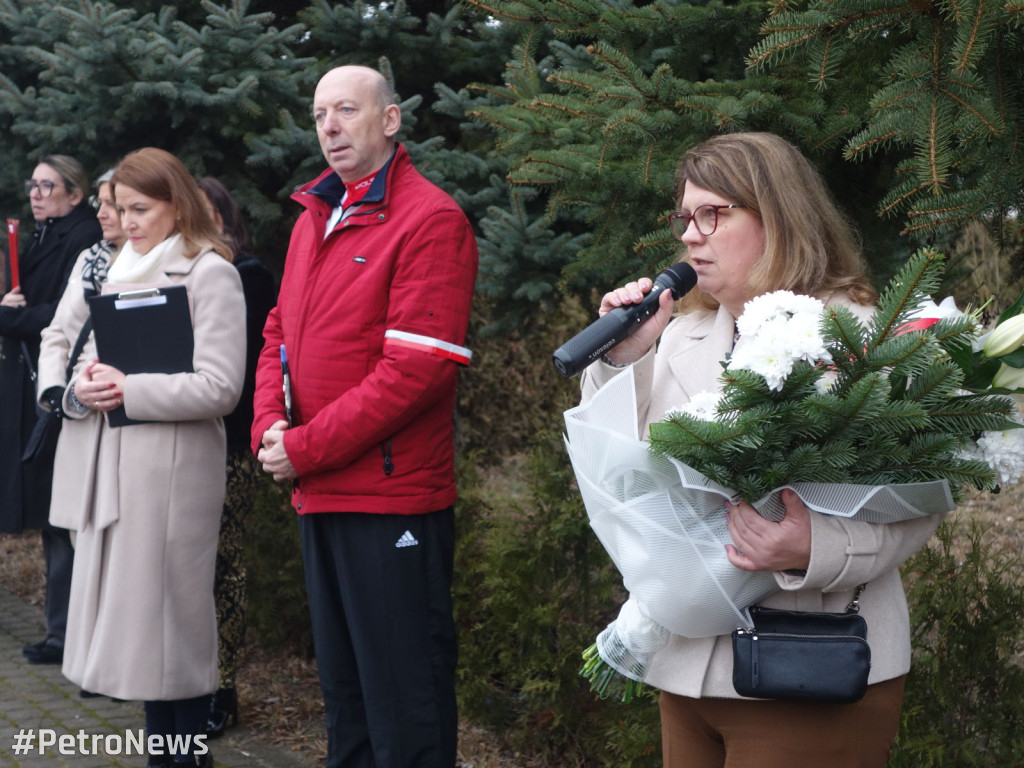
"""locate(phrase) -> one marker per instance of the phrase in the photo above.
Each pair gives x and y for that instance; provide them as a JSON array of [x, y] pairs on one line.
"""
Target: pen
[[287, 384]]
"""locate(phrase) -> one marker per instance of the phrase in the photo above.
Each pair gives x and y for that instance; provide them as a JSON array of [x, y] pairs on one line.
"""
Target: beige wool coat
[[844, 553], [145, 500]]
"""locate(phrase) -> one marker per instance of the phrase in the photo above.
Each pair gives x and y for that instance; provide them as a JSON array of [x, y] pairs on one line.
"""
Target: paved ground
[[37, 703]]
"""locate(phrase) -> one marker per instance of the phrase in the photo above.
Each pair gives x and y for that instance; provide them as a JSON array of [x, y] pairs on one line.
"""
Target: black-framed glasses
[[704, 217], [45, 187]]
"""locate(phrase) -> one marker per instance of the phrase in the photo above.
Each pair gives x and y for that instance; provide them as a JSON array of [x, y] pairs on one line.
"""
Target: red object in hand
[[12, 250]]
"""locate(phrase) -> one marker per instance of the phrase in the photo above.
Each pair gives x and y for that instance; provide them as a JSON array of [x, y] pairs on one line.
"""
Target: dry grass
[[280, 695]]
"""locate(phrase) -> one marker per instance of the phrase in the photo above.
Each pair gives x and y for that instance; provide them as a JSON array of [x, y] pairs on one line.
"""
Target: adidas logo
[[406, 540]]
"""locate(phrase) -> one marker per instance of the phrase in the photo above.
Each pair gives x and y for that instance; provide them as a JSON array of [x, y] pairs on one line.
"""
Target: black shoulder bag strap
[[83, 336]]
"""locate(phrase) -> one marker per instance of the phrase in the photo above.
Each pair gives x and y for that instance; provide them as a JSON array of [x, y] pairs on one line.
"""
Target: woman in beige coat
[[145, 499], [756, 217]]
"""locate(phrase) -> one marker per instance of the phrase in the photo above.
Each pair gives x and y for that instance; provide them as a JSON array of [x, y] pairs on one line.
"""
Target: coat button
[[381, 217]]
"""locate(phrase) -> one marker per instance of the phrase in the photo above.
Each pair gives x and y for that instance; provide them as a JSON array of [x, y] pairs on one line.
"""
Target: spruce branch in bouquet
[[876, 404]]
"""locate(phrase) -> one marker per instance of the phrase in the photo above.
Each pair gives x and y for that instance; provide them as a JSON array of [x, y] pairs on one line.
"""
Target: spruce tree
[[96, 81], [936, 85], [916, 118]]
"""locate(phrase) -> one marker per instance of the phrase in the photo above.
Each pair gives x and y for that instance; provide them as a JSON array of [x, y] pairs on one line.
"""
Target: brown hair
[[160, 175], [810, 247], [233, 227]]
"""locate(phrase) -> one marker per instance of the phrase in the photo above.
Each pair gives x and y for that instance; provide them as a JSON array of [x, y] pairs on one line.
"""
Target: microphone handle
[[598, 337]]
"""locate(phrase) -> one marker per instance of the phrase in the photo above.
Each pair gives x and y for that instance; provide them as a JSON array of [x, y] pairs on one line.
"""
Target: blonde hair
[[160, 175], [810, 247]]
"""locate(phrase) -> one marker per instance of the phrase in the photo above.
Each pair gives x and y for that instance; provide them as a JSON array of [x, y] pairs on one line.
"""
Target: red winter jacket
[[371, 318]]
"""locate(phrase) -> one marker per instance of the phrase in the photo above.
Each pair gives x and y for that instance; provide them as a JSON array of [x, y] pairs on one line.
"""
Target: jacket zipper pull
[[385, 451]]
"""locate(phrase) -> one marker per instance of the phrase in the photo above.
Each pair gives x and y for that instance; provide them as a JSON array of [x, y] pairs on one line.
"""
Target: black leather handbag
[[795, 655]]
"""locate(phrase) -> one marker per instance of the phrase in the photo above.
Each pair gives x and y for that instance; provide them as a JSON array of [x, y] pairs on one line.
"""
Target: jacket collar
[[697, 356], [329, 187], [176, 263], [47, 233]]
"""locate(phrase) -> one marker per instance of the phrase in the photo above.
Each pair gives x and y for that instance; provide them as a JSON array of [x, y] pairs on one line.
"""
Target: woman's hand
[[100, 387], [761, 545], [635, 346], [13, 298]]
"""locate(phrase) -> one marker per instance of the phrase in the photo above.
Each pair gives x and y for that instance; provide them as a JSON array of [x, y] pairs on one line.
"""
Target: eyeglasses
[[44, 187], [705, 217]]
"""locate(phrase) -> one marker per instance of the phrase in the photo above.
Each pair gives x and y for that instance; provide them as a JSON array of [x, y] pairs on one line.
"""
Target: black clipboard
[[144, 331]]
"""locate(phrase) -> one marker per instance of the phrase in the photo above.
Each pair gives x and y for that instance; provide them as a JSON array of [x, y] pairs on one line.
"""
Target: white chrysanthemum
[[1004, 452], [806, 341], [773, 362], [807, 305], [824, 385], [774, 333], [776, 329], [762, 308], [756, 313], [703, 406]]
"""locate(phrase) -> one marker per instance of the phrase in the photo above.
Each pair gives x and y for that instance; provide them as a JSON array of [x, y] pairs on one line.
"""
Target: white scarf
[[133, 267]]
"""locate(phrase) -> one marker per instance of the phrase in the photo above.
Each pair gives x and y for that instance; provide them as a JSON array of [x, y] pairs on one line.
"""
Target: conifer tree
[[920, 118], [937, 83], [227, 85], [96, 81]]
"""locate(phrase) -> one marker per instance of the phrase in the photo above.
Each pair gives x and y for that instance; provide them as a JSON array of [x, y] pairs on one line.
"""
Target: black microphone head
[[679, 278]]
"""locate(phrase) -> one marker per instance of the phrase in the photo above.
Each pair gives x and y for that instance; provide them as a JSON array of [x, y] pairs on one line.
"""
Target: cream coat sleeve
[[60, 335]]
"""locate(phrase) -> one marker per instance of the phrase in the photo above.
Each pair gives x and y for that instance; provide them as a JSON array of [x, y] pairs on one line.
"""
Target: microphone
[[615, 326]]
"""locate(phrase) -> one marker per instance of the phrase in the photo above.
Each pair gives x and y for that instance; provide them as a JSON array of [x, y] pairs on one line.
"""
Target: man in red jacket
[[373, 309]]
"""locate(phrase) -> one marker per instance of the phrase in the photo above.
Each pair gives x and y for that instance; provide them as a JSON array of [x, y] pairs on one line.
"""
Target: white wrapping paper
[[663, 524]]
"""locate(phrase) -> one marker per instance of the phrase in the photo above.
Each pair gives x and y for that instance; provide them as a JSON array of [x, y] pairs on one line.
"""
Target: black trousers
[[177, 721], [380, 602], [59, 556]]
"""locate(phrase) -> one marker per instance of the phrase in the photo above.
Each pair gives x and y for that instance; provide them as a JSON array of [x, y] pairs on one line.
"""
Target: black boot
[[223, 712]]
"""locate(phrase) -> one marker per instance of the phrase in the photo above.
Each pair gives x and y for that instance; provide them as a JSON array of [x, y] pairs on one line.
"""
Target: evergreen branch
[[559, 108], [974, 111], [501, 11], [866, 146], [767, 52], [935, 383], [918, 279], [889, 206], [963, 63]]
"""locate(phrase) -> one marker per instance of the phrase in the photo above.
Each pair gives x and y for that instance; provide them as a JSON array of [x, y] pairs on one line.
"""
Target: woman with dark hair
[[756, 217], [65, 226], [145, 499], [229, 585]]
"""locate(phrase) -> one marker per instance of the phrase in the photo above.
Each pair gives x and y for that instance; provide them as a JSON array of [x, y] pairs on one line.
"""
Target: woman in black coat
[[65, 226]]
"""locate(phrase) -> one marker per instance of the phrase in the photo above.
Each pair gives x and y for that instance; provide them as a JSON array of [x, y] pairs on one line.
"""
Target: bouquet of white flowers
[[880, 422]]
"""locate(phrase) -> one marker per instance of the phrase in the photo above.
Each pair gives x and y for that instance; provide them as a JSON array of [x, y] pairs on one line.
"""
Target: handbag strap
[[83, 335], [854, 606], [28, 361]]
